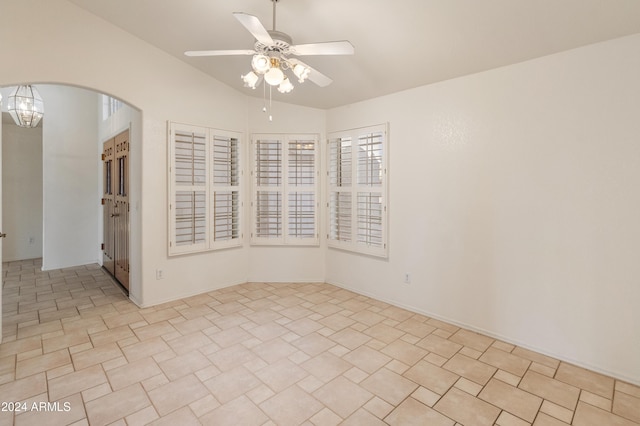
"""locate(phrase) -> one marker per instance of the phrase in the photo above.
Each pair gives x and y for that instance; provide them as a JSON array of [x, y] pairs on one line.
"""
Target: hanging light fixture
[[285, 86], [272, 69], [260, 64], [270, 61], [271, 57], [274, 76], [25, 106], [250, 79], [301, 72]]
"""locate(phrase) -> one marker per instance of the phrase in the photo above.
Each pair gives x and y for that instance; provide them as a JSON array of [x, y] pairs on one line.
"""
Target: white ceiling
[[399, 44]]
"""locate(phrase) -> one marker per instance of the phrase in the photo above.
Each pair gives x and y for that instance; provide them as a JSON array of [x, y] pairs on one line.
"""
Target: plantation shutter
[[188, 173], [301, 164], [357, 175], [225, 189], [268, 194], [340, 178], [284, 205], [205, 181], [369, 203]]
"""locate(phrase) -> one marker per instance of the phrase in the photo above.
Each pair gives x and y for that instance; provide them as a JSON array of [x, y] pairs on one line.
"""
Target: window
[[284, 198], [357, 199], [110, 106], [204, 189]]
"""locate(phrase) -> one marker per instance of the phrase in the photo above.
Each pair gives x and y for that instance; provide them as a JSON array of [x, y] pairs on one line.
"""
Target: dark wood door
[[121, 216], [116, 207], [108, 203]]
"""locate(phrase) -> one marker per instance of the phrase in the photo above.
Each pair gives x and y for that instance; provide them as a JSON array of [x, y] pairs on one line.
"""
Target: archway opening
[[53, 177]]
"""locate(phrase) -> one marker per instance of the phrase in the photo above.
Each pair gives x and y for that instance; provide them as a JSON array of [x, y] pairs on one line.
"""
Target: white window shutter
[[357, 190], [267, 180], [205, 189], [302, 168], [225, 188], [285, 181], [188, 189]]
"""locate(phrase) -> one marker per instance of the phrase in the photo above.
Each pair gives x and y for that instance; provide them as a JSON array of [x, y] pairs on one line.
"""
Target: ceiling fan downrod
[[274, 14]]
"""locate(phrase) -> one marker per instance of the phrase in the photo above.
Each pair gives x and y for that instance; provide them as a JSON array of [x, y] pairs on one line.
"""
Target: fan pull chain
[[264, 98], [270, 105]]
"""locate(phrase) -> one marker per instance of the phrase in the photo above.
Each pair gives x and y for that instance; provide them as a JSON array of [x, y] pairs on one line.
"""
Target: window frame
[[346, 190], [285, 189], [209, 188]]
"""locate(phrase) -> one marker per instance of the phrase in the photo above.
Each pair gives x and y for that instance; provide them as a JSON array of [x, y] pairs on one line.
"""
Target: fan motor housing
[[281, 43], [279, 36]]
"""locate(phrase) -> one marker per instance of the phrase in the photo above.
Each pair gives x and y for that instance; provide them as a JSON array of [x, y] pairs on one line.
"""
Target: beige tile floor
[[265, 354]]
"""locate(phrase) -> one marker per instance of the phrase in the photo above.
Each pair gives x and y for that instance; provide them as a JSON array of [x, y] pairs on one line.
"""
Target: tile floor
[[270, 354]]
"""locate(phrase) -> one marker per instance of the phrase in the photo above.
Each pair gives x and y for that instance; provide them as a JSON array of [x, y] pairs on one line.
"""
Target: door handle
[[2, 235], [115, 214]]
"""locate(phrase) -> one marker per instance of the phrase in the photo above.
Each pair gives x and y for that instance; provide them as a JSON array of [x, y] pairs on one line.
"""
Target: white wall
[[514, 204], [21, 192], [70, 173]]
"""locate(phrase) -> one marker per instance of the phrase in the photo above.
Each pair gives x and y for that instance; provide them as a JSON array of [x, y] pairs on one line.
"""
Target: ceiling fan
[[272, 53]]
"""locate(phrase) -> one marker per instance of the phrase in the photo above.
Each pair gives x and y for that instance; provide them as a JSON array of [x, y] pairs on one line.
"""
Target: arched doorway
[[76, 124]]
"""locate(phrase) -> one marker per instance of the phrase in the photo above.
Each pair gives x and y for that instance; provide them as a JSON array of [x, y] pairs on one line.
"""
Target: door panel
[[121, 216], [116, 207], [108, 201]]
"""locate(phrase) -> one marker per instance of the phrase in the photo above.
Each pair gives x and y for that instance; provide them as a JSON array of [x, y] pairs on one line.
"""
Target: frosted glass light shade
[[250, 79], [285, 86], [301, 72], [260, 64], [274, 76], [25, 106]]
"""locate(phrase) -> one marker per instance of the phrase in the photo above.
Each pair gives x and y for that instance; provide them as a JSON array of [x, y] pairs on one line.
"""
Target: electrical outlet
[[32, 240], [407, 278], [159, 274]]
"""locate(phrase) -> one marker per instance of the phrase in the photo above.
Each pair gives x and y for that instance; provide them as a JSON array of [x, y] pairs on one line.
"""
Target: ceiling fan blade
[[254, 26], [327, 48], [315, 76], [218, 52]]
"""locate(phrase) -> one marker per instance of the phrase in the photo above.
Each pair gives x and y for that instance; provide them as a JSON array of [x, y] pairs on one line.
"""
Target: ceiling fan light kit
[[271, 55], [251, 80], [301, 72], [260, 64], [285, 86], [274, 76]]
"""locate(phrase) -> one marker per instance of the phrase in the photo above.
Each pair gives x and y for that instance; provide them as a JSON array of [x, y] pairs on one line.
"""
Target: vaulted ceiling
[[399, 44]]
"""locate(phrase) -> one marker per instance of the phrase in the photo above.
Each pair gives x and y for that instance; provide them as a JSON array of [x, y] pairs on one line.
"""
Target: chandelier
[[25, 106]]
